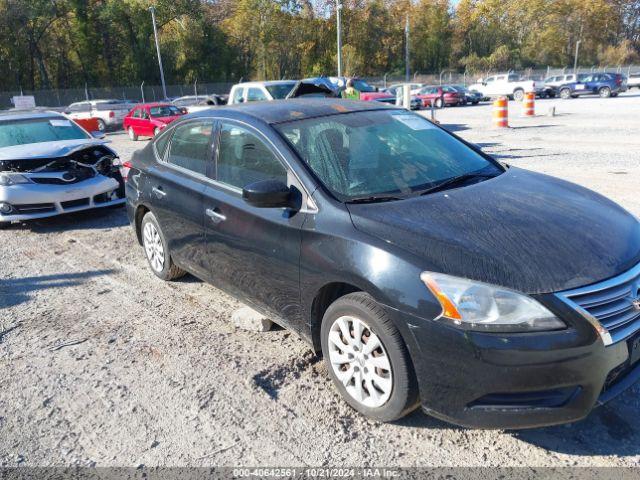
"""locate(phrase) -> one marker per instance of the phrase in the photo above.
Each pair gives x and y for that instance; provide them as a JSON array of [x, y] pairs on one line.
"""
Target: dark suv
[[603, 84], [425, 271]]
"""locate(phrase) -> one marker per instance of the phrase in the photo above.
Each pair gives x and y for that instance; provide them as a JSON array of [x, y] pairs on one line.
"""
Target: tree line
[[71, 43]]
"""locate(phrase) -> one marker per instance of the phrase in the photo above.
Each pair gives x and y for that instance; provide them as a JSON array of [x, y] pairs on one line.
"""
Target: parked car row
[[149, 119]]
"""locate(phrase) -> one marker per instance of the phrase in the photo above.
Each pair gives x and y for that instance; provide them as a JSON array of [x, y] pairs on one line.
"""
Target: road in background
[[102, 364]]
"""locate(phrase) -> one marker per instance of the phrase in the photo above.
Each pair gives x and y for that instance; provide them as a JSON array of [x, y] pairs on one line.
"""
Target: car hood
[[61, 148], [521, 230]]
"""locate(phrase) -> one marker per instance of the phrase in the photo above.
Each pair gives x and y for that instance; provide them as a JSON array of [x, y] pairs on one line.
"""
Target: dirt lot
[[103, 364]]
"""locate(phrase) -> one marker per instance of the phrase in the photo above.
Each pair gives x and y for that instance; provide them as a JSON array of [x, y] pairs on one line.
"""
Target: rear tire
[[132, 135], [439, 103], [604, 92], [376, 379], [565, 93], [101, 125], [4, 225], [157, 250], [156, 131], [518, 94]]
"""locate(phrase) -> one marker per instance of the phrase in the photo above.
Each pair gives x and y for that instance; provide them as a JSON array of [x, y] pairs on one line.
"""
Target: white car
[[559, 80], [505, 84], [260, 91], [633, 80], [49, 165], [197, 103], [109, 113]]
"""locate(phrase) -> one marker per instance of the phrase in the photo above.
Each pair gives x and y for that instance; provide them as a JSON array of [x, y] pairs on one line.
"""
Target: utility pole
[[406, 52], [339, 28], [575, 60], [155, 34]]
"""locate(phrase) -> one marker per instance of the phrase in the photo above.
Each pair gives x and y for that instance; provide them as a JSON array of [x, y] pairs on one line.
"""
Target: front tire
[[101, 125], [157, 250], [604, 92], [4, 225], [439, 103], [156, 131], [367, 358]]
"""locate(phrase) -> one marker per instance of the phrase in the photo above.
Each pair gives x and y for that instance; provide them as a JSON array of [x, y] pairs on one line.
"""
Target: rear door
[[252, 252], [176, 184]]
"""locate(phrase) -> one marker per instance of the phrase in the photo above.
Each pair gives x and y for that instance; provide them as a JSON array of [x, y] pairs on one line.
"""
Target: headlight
[[478, 306], [7, 179]]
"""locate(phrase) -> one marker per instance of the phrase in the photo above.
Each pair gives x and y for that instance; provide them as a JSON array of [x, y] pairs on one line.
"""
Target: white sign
[[24, 102]]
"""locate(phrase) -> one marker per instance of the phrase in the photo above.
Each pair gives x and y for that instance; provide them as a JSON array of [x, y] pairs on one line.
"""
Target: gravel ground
[[103, 364]]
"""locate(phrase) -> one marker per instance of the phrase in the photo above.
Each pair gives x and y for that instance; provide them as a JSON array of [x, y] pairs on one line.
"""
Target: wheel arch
[[323, 298], [140, 212]]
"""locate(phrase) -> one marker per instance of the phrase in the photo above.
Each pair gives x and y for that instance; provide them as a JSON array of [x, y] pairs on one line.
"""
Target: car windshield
[[280, 90], [389, 152], [164, 111], [363, 86], [39, 130]]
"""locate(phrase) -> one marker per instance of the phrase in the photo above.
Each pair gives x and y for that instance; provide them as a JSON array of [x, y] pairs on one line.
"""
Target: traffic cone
[[500, 112], [529, 104]]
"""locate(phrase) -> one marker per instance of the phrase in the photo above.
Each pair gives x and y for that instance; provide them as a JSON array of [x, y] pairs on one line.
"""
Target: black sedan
[[426, 272]]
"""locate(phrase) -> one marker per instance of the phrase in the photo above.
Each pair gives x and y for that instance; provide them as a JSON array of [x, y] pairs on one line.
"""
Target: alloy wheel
[[153, 247], [360, 361]]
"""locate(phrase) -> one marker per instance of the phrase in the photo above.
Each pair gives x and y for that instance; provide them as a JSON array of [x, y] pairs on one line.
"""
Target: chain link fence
[[452, 77], [58, 99]]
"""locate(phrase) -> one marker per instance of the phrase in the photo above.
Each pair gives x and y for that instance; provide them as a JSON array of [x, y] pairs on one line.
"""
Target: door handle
[[215, 217], [159, 192]]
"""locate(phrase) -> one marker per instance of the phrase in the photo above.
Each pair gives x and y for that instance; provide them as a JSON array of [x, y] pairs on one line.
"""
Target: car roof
[[266, 83], [280, 111], [155, 104], [28, 114]]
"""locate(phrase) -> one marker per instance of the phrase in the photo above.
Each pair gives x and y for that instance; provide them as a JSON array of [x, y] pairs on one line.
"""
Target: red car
[[440, 96], [148, 119]]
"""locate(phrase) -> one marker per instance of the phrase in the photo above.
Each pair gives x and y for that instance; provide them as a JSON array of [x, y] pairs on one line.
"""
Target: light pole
[[155, 34], [339, 28], [575, 60], [407, 73]]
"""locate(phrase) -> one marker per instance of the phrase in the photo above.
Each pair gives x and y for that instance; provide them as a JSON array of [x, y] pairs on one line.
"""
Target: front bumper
[[33, 201], [513, 381]]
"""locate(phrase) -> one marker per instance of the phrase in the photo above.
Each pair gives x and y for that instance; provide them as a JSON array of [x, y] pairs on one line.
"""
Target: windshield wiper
[[374, 199], [453, 181]]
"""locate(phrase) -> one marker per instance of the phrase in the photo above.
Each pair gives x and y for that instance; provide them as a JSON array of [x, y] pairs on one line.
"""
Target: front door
[[253, 253], [177, 183]]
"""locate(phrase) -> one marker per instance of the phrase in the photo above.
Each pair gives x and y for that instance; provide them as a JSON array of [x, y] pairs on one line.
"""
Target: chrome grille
[[614, 303]]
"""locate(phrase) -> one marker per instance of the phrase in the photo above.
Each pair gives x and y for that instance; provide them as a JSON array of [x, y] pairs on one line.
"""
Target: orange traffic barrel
[[529, 104], [500, 112]]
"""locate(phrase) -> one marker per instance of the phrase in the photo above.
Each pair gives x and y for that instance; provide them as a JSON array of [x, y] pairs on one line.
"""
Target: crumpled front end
[[89, 177]]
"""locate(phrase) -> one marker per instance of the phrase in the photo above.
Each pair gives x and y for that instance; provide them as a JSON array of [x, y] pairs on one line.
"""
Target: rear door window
[[190, 146], [255, 95]]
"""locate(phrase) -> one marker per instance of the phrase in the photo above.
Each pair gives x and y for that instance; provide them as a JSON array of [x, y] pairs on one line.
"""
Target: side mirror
[[268, 194], [98, 135]]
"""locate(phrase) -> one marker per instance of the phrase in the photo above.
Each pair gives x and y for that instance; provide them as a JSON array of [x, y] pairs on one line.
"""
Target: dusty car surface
[[426, 272], [49, 165]]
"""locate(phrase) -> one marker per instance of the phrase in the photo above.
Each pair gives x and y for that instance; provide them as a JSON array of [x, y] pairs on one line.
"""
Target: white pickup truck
[[505, 84]]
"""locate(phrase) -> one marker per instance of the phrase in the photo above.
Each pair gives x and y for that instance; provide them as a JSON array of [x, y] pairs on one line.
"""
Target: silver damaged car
[[49, 165]]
